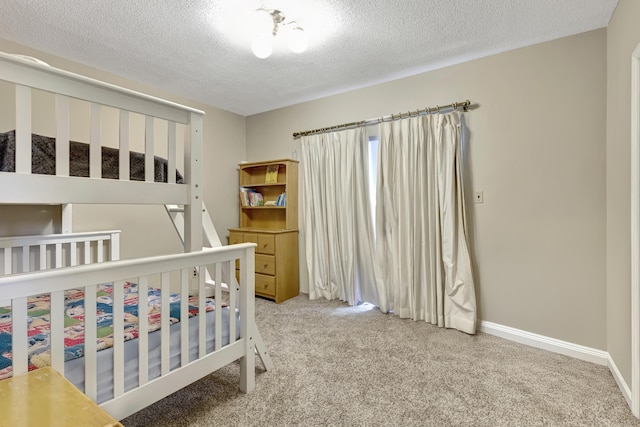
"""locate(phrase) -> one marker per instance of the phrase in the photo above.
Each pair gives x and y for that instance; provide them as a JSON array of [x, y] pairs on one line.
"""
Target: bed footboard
[[23, 254], [169, 274]]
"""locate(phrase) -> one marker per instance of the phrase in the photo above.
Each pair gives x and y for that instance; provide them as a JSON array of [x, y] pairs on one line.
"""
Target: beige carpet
[[354, 366]]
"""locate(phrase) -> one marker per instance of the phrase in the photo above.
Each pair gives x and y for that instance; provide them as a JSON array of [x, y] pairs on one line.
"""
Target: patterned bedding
[[43, 159], [39, 323]]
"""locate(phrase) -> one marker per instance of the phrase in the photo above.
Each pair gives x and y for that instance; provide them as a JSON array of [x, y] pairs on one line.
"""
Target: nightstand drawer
[[235, 238], [266, 244], [265, 264], [265, 284], [250, 238]]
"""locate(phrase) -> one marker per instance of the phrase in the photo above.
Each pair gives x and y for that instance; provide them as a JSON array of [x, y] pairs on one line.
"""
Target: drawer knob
[[266, 265]]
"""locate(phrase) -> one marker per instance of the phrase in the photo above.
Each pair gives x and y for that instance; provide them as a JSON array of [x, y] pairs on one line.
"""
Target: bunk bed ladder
[[211, 238]]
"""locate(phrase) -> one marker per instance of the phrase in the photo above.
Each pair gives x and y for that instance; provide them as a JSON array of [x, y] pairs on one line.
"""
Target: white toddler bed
[[132, 384], [133, 373]]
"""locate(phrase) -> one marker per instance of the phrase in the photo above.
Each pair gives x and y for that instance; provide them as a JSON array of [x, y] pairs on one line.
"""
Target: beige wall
[[537, 150], [147, 230], [623, 35]]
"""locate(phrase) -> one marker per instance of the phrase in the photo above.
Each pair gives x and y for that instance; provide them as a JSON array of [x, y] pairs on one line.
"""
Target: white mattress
[[74, 369]]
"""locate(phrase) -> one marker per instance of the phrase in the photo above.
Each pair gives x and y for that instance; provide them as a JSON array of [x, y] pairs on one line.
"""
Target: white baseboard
[[546, 343], [622, 384], [563, 347]]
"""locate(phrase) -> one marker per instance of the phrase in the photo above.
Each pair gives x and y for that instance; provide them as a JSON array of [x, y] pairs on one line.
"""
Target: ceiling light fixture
[[266, 23]]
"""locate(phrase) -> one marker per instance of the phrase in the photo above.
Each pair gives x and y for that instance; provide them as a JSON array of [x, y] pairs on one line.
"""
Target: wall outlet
[[478, 197], [196, 273]]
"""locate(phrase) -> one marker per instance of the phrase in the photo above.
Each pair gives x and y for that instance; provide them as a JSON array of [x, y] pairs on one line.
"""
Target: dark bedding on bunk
[[43, 159]]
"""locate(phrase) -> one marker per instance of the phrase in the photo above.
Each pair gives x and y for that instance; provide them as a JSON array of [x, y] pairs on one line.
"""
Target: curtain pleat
[[421, 242], [336, 218]]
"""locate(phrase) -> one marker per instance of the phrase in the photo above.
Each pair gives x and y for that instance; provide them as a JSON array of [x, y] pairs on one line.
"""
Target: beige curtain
[[336, 218], [421, 240]]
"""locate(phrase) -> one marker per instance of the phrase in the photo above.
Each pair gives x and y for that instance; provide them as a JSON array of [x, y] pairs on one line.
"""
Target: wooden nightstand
[[276, 261], [272, 224]]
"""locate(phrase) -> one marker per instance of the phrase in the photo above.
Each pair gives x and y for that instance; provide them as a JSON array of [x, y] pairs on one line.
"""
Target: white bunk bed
[[52, 265]]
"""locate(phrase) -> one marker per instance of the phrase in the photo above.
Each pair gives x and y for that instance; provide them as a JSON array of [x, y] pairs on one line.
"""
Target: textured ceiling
[[201, 48]]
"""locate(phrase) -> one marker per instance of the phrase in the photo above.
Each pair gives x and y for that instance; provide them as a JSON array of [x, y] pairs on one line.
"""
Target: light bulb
[[262, 45], [297, 40], [261, 22]]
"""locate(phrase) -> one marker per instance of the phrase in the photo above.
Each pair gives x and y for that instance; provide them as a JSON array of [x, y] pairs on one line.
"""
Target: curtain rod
[[419, 112]]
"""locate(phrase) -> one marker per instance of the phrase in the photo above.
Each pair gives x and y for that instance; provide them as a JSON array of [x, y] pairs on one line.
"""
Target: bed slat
[[23, 129], [8, 261], [247, 310], [233, 298], [42, 256], [143, 331], [87, 254], [171, 153], [95, 144], [100, 249], [90, 346], [73, 254], [19, 327], [62, 135], [58, 255], [148, 149], [184, 316], [114, 247], [118, 338], [202, 314], [218, 301], [164, 324], [124, 146], [57, 331], [25, 259], [67, 218]]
